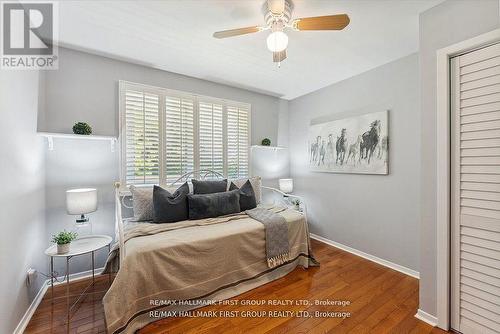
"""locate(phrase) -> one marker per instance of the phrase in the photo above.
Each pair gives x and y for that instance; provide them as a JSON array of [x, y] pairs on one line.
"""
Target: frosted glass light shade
[[286, 185], [81, 201], [277, 41]]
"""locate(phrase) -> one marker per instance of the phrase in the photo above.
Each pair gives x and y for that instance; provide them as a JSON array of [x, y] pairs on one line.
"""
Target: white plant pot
[[63, 249]]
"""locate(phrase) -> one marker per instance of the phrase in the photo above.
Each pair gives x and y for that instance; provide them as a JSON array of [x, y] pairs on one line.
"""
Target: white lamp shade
[[286, 185], [277, 41], [81, 201]]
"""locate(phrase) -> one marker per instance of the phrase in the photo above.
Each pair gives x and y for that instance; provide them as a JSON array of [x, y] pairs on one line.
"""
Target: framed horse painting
[[358, 144]]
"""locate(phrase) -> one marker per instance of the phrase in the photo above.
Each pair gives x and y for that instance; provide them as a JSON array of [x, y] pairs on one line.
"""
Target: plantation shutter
[[179, 137], [237, 142], [476, 191], [165, 134], [142, 137], [211, 145]]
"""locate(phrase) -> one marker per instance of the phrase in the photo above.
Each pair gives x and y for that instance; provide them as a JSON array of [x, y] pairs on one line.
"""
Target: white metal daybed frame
[[202, 174]]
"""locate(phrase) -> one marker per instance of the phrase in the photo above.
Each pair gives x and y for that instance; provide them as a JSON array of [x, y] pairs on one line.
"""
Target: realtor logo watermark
[[29, 35]]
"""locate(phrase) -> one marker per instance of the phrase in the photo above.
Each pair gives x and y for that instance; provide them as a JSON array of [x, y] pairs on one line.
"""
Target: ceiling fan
[[278, 17]]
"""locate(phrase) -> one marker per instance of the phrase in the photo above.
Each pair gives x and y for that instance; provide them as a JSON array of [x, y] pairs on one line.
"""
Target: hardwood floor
[[381, 301]]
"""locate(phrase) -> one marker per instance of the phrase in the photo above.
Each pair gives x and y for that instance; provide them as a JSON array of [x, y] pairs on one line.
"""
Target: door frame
[[443, 141]]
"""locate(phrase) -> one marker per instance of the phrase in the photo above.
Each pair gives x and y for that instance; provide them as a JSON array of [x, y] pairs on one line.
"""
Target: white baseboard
[[395, 266], [426, 317], [76, 276], [31, 309], [39, 296]]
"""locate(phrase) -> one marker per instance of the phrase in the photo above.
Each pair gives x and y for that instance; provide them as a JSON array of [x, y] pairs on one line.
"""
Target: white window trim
[[162, 92]]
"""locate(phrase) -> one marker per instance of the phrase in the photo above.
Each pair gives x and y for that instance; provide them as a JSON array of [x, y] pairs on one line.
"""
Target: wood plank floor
[[381, 301]]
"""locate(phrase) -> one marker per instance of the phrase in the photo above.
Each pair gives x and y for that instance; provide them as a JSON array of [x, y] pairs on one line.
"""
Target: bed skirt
[[146, 317]]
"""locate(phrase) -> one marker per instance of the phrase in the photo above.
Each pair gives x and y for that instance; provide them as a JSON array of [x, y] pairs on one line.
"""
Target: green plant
[[63, 237], [266, 142], [82, 128]]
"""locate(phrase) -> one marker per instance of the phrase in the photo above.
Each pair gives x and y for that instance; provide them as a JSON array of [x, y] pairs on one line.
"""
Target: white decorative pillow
[[142, 202], [256, 183]]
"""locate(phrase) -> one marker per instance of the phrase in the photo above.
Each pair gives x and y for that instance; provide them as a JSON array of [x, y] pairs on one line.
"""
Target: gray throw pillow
[[256, 185], [209, 187], [247, 196], [214, 205], [142, 202], [170, 208]]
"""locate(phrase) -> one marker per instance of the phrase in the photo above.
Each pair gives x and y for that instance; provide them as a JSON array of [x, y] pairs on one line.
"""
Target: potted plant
[[82, 128], [63, 240], [266, 142], [296, 203]]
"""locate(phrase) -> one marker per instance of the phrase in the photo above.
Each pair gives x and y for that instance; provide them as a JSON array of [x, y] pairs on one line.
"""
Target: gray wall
[[22, 199], [372, 213], [76, 163], [448, 23], [85, 88]]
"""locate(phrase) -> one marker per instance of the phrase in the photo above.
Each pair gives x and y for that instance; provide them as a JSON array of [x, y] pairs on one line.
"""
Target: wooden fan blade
[[236, 32], [276, 7], [329, 22], [279, 56]]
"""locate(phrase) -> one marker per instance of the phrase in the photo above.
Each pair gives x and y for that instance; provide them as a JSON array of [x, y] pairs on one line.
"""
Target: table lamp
[[286, 185], [81, 201]]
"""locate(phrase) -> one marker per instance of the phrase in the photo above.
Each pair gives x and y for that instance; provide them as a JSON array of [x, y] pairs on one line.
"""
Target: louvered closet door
[[475, 210]]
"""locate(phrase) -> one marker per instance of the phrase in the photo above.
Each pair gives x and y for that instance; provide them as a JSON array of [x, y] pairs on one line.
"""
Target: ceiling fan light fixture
[[277, 41]]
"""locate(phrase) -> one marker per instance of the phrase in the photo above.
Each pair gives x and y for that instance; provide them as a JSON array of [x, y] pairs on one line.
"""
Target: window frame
[[123, 86]]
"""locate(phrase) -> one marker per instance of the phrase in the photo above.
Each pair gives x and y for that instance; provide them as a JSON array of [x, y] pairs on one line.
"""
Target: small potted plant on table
[[63, 240], [296, 203]]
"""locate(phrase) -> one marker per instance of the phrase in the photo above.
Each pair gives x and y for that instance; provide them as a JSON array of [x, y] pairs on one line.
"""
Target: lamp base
[[82, 220], [83, 225]]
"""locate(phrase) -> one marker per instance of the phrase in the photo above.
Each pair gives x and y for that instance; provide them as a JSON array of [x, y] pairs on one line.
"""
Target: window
[[166, 133], [142, 137], [237, 142], [179, 137], [211, 137]]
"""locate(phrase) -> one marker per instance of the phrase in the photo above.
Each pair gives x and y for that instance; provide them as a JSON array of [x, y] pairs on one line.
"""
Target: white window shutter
[[211, 150], [238, 129], [179, 137], [166, 133], [142, 137]]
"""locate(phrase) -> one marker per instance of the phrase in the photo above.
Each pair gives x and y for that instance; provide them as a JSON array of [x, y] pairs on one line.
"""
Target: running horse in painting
[[354, 150], [370, 141], [341, 147], [315, 150]]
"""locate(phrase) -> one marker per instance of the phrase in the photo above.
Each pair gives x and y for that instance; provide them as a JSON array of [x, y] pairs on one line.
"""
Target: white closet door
[[475, 211]]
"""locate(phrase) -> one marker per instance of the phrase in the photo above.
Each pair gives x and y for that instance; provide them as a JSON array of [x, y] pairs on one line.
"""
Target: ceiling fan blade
[[328, 22], [236, 32], [276, 7], [279, 56]]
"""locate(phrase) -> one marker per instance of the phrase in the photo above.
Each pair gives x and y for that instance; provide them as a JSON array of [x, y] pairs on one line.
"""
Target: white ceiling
[[176, 36]]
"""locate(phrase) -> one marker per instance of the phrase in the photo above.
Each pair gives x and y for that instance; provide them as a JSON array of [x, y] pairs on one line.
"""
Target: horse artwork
[[358, 144]]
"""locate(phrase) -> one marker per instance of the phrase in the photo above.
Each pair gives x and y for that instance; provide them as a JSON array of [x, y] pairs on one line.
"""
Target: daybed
[[192, 261]]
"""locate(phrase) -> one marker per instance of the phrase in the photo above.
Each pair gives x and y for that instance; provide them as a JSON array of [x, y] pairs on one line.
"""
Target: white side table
[[80, 246]]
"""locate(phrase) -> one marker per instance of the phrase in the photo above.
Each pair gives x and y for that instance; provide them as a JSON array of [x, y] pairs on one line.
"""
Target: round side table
[[80, 246]]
